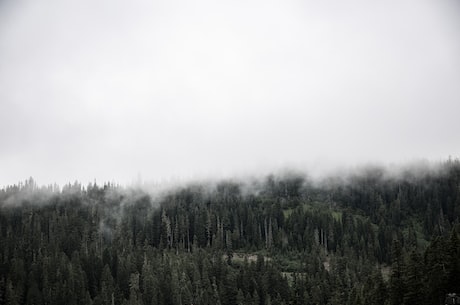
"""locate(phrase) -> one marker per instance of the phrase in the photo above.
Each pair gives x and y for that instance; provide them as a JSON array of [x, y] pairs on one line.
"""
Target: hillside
[[369, 237]]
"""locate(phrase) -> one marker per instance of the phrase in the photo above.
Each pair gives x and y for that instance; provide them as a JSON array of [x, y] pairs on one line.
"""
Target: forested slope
[[368, 238]]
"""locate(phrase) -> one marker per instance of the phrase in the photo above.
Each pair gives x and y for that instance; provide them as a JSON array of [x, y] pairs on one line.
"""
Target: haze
[[113, 90]]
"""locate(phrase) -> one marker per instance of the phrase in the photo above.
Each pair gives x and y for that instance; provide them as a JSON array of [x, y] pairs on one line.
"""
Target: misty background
[[116, 90]]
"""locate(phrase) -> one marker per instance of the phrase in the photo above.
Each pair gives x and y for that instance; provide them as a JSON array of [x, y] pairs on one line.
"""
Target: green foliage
[[287, 241]]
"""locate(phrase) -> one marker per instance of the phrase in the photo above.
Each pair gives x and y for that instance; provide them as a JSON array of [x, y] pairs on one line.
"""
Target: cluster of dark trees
[[372, 238]]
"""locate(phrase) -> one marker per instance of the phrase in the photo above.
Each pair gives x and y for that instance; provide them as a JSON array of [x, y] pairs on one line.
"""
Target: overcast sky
[[111, 89]]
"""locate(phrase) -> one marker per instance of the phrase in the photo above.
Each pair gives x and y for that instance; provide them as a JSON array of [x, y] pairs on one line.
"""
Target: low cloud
[[109, 89]]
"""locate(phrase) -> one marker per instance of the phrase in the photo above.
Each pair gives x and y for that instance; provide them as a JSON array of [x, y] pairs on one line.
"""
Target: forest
[[367, 237]]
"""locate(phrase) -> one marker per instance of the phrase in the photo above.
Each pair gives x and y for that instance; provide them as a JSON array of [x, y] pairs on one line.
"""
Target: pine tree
[[453, 262], [413, 278], [397, 288]]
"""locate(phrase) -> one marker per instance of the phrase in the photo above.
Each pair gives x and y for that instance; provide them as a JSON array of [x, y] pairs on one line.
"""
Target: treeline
[[366, 239]]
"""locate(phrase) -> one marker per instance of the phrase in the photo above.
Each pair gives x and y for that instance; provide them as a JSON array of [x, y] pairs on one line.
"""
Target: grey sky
[[107, 90]]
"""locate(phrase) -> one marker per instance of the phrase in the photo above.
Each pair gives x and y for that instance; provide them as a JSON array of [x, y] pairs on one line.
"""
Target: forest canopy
[[372, 236]]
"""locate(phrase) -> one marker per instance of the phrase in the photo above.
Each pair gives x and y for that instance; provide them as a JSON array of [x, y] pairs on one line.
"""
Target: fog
[[168, 90]]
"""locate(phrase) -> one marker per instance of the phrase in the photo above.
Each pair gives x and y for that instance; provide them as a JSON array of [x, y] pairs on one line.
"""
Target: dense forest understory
[[368, 238]]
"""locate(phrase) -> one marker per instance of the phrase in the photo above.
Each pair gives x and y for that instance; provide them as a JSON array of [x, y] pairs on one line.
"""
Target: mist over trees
[[368, 237]]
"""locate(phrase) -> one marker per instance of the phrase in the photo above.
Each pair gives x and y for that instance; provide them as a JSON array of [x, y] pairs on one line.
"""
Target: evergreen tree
[[413, 280], [397, 287]]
